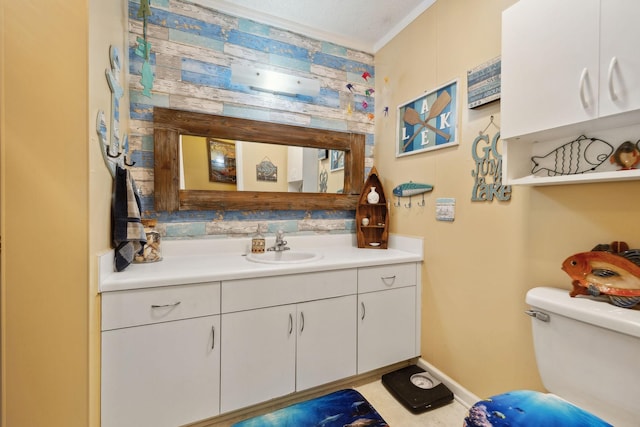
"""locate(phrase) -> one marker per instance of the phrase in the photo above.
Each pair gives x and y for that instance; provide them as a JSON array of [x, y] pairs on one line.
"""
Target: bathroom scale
[[416, 389]]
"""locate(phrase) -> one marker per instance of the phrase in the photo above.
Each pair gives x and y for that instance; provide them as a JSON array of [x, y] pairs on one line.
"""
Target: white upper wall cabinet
[[547, 46], [569, 67], [620, 56]]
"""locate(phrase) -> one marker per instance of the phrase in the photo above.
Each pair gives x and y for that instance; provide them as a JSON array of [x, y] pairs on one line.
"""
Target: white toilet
[[588, 353]]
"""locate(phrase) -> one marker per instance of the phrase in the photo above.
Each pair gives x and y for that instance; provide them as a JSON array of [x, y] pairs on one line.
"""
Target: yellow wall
[[196, 175], [55, 206], [107, 27], [44, 213], [478, 268], [253, 154], [196, 169]]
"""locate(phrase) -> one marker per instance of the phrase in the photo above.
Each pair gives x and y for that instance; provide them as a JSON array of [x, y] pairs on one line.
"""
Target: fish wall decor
[[627, 155], [409, 189], [607, 272], [578, 156]]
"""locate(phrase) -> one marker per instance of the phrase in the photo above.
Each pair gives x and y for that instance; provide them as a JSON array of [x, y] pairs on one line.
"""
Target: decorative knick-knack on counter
[[373, 197], [152, 251], [372, 214]]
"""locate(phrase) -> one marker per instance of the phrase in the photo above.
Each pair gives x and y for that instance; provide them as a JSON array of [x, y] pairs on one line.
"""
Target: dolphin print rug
[[525, 408], [343, 408]]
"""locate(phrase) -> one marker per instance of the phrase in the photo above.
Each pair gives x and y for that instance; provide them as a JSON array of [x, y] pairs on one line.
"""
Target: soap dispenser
[[258, 243]]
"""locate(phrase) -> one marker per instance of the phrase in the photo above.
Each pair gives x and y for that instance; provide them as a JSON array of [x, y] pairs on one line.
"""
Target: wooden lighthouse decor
[[372, 214]]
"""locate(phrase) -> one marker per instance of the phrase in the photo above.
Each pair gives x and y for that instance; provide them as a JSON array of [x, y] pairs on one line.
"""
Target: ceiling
[[365, 25]]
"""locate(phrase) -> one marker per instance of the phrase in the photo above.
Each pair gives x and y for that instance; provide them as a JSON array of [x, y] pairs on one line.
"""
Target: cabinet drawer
[[386, 277], [248, 294], [144, 306]]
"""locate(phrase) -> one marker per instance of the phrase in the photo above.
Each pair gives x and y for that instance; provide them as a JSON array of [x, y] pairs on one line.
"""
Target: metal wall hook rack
[[410, 189], [118, 156], [110, 142]]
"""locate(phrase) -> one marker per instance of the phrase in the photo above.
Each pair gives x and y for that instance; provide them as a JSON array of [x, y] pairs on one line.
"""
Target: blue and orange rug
[[343, 408], [527, 408]]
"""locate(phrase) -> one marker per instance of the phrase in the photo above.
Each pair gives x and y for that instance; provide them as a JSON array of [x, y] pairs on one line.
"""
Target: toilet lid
[[525, 408]]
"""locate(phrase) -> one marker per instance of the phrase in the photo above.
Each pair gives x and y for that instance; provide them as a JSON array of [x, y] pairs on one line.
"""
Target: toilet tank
[[588, 352]]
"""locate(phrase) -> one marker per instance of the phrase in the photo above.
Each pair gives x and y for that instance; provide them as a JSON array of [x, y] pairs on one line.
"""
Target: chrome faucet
[[281, 244]]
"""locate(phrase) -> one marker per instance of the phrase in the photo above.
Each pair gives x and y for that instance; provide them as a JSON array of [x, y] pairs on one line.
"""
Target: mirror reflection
[[226, 165], [344, 152]]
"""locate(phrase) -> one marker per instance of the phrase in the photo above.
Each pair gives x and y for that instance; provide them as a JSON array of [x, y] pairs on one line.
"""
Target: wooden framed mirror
[[171, 124]]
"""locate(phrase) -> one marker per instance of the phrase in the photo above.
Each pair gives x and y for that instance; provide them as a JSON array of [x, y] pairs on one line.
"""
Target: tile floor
[[451, 415], [396, 415]]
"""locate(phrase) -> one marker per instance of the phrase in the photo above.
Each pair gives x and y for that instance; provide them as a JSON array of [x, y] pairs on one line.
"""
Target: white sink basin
[[283, 257]]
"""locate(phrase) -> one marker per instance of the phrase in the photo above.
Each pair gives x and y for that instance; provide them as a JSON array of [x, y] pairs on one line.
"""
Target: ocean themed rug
[[343, 408], [524, 408]]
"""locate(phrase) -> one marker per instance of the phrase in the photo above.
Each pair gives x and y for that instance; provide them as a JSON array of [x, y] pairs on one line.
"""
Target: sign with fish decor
[[429, 121], [581, 155]]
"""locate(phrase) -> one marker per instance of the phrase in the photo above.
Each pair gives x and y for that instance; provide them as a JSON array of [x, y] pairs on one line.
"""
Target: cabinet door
[[619, 58], [165, 374], [549, 64], [258, 356], [326, 347], [386, 328]]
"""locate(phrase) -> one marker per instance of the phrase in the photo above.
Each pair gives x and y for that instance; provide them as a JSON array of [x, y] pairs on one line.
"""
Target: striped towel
[[128, 232]]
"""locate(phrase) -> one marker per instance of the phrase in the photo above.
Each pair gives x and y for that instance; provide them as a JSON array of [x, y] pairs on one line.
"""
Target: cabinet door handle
[[363, 310], [388, 280], [301, 322], [290, 323], [612, 67], [213, 337], [175, 304], [583, 81]]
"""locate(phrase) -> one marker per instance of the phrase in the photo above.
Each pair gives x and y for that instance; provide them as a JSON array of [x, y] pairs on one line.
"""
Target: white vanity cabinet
[[197, 335], [287, 333], [388, 327], [160, 355], [568, 68]]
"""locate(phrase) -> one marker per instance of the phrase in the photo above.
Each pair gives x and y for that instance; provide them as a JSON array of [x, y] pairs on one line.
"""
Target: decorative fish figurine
[[616, 275], [575, 157], [627, 155], [411, 189]]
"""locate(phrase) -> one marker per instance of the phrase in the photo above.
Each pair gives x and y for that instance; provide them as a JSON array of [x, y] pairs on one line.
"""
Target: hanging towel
[[128, 232]]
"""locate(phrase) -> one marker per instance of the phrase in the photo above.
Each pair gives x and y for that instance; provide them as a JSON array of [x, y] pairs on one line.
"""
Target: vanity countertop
[[207, 260]]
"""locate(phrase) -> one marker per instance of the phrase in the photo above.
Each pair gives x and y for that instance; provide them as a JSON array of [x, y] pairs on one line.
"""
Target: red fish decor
[[627, 155], [608, 270]]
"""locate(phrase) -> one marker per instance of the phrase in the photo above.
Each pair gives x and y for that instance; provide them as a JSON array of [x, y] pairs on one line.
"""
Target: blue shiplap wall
[[191, 56]]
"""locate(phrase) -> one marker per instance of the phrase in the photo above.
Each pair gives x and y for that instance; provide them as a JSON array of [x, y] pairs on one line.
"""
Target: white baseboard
[[461, 394]]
